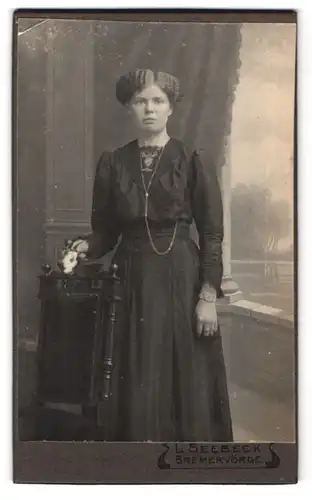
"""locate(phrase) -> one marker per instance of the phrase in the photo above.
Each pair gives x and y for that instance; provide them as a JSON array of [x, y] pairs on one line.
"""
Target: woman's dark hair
[[135, 81]]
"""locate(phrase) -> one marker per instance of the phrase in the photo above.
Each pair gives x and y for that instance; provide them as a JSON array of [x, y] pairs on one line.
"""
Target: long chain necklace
[[146, 191]]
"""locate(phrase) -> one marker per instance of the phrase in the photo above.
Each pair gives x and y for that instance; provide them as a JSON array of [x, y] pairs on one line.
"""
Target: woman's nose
[[149, 107]]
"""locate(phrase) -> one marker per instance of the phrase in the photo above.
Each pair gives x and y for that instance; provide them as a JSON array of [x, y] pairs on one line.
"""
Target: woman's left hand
[[206, 318]]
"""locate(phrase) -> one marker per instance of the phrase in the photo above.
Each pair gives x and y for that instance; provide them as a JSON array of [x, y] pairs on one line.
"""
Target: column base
[[231, 290]]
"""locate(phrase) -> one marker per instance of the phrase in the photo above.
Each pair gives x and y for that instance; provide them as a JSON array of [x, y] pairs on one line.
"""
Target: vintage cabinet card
[[154, 157]]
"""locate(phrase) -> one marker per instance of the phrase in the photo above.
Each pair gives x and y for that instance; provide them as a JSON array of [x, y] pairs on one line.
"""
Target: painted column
[[230, 288]]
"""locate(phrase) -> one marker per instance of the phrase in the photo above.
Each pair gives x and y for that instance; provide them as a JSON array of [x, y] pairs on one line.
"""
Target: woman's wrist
[[208, 293]]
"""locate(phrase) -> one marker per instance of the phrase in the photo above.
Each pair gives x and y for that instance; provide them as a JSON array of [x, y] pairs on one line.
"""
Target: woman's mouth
[[149, 120]]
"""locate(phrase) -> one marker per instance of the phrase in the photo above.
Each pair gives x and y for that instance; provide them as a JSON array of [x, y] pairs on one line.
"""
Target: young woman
[[169, 381]]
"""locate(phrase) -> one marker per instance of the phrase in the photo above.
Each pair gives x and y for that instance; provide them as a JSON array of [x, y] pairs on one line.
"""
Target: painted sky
[[263, 114]]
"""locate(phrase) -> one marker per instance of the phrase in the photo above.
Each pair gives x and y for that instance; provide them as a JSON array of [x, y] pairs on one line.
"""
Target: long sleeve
[[208, 216], [105, 230]]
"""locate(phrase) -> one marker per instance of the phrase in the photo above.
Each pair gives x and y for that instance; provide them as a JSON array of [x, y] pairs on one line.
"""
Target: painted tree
[[258, 222]]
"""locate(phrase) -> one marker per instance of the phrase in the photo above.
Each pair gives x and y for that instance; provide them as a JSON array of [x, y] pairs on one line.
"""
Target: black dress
[[168, 384]]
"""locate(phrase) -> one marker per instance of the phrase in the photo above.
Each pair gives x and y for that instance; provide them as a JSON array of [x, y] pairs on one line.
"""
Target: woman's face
[[150, 109]]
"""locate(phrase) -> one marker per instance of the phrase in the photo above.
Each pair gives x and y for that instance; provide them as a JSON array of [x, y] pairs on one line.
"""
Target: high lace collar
[[153, 146]]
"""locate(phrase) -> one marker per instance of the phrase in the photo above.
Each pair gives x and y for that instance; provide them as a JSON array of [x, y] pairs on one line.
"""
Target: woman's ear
[[128, 108]]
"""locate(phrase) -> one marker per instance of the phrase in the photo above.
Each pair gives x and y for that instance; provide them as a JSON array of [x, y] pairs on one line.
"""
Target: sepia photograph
[[154, 173]]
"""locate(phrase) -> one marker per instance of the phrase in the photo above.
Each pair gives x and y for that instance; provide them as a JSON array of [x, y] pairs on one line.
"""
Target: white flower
[[69, 261]]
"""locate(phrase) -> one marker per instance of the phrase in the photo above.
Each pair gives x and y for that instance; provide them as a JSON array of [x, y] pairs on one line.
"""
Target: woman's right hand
[[81, 246], [73, 252]]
